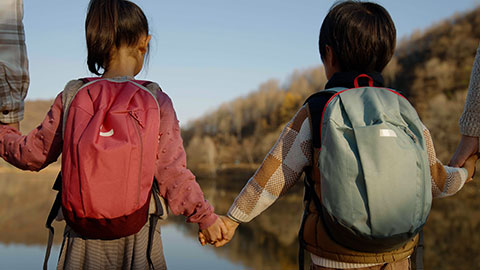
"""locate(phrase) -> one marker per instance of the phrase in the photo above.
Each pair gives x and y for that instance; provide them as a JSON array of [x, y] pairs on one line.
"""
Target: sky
[[205, 53]]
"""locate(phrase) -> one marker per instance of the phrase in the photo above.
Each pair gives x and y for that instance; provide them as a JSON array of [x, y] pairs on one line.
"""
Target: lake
[[176, 245], [452, 233], [269, 242]]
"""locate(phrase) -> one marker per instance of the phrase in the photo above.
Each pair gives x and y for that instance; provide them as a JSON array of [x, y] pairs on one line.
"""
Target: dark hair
[[111, 24], [361, 34]]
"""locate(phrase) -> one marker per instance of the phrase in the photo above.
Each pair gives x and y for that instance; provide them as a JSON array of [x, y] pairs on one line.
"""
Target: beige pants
[[401, 265]]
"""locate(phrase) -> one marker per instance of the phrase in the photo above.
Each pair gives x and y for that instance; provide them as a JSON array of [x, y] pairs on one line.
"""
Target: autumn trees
[[432, 68]]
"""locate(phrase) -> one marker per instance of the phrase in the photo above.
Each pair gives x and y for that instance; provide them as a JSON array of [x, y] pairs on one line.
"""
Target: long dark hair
[[111, 24], [361, 34]]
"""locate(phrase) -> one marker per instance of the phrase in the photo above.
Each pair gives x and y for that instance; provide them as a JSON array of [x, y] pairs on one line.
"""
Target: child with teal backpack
[[370, 164]]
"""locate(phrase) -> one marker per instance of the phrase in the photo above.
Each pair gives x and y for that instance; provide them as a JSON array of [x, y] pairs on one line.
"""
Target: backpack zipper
[[138, 123]]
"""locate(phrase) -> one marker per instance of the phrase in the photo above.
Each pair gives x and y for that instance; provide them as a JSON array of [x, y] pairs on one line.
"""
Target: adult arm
[[470, 119], [14, 79]]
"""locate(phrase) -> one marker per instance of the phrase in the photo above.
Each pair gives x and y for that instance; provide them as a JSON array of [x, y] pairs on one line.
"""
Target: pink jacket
[[43, 145]]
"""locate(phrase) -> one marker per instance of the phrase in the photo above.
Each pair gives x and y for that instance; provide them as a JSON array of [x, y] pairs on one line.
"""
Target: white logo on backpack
[[106, 134], [387, 133]]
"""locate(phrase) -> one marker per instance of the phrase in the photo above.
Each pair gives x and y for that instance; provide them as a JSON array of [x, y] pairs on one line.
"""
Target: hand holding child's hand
[[466, 148], [470, 166], [211, 235]]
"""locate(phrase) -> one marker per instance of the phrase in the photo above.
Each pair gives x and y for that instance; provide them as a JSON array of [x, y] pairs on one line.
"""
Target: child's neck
[[122, 64], [119, 73]]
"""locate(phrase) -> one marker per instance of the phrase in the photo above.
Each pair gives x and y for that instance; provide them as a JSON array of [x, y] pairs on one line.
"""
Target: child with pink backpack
[[119, 138]]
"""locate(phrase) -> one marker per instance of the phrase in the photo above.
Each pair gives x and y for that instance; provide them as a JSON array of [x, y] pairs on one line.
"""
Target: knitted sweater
[[292, 154], [470, 120]]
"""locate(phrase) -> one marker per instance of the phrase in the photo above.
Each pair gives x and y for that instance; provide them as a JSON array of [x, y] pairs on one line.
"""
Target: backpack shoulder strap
[[316, 103], [70, 90], [69, 93], [152, 87]]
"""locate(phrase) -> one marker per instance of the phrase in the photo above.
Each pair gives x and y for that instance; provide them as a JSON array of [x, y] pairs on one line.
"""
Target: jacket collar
[[346, 79]]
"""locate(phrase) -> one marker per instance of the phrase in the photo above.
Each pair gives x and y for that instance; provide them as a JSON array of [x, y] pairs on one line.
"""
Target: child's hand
[[231, 227], [470, 166], [211, 235]]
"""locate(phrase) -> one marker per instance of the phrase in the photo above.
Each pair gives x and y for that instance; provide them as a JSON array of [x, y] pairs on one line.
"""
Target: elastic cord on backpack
[[151, 235], [159, 211], [419, 252], [51, 217], [301, 242]]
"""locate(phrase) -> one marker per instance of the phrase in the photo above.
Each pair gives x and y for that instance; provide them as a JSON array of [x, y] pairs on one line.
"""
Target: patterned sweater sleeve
[[177, 184], [470, 119], [280, 170], [446, 181]]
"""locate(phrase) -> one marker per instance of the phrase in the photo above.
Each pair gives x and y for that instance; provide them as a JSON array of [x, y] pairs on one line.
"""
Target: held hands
[[470, 166], [219, 233], [466, 155], [467, 147]]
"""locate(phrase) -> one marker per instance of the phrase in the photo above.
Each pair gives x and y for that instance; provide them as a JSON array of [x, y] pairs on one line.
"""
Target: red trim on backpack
[[370, 80]]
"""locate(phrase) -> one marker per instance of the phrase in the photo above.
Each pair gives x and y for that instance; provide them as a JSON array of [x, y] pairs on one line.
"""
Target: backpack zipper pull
[[410, 133], [135, 116]]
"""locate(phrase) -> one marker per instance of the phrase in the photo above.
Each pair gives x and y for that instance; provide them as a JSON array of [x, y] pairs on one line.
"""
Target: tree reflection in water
[[268, 242], [452, 238]]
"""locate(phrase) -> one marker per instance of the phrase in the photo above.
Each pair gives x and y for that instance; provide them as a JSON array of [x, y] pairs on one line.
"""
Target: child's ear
[[330, 62], [329, 55], [143, 44]]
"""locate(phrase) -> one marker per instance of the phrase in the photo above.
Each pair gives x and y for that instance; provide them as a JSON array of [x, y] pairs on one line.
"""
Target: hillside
[[431, 67]]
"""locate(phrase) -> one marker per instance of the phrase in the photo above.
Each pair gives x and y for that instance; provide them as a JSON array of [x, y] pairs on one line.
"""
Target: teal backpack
[[375, 176]]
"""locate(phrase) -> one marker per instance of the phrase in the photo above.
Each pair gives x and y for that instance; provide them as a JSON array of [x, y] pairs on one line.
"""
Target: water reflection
[[267, 242], [270, 240]]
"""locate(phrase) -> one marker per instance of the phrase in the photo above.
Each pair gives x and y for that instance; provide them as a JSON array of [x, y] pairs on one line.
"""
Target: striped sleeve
[[446, 181], [280, 170]]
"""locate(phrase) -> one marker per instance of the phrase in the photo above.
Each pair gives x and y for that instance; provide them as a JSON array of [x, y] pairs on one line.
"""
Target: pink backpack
[[108, 159], [110, 141]]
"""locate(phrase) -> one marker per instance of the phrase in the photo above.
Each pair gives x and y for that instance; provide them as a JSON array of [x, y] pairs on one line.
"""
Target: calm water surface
[[268, 242], [181, 252]]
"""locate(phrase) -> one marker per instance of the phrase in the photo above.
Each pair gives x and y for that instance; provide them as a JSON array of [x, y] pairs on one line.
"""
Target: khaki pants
[[401, 265]]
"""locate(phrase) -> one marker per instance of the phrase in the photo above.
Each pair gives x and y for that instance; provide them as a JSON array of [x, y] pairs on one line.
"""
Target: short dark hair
[[362, 36], [111, 24]]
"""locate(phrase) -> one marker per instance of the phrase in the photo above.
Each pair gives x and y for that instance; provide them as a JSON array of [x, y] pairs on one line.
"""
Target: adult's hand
[[15, 125], [467, 147]]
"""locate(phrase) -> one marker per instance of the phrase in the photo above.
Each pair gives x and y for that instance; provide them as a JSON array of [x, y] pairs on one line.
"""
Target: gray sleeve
[[470, 119]]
